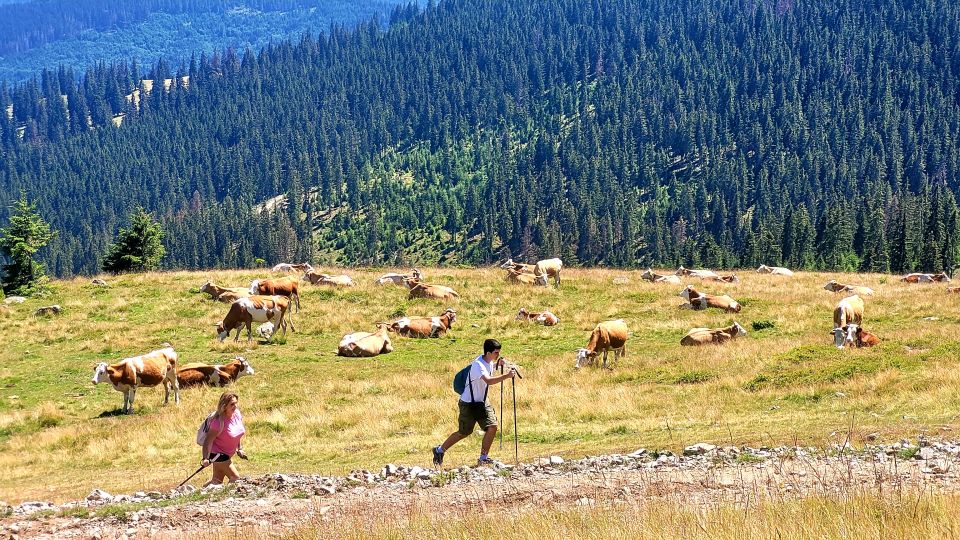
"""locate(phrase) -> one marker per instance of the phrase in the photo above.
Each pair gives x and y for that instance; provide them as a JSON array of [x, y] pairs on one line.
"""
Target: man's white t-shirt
[[478, 368]]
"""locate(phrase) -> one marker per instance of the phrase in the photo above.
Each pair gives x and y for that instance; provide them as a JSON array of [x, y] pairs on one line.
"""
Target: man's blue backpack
[[461, 379]]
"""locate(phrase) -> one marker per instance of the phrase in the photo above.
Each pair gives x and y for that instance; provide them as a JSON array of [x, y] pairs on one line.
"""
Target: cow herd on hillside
[[271, 303]]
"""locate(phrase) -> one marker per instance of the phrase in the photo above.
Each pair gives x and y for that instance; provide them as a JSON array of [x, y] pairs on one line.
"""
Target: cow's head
[[942, 276], [206, 286], [522, 314], [452, 313], [508, 264], [681, 271], [831, 285], [688, 292], [739, 330], [541, 280], [245, 367], [265, 330], [415, 272], [585, 357], [255, 286], [846, 336], [647, 274], [100, 373], [222, 331], [763, 269]]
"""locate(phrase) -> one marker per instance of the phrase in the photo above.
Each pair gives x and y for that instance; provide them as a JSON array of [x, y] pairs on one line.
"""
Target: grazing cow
[[227, 295], [424, 327], [150, 369], [298, 268], [653, 277], [285, 286], [519, 267], [701, 273], [774, 270], [326, 279], [926, 278], [543, 317], [366, 344], [608, 335], [858, 290], [549, 267], [398, 279], [697, 301], [261, 309], [436, 292], [866, 339], [218, 375], [847, 318], [524, 278], [706, 336]]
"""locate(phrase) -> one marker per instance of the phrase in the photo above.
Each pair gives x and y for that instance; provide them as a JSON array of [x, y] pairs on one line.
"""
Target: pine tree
[[137, 248], [19, 241]]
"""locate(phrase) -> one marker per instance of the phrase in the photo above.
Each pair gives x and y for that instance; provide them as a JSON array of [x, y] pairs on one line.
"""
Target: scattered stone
[[388, 470], [698, 449], [556, 460], [14, 300], [99, 495], [638, 453], [48, 311], [872, 437], [926, 453]]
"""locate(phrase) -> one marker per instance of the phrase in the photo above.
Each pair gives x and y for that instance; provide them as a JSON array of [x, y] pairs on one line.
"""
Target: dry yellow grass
[[308, 410]]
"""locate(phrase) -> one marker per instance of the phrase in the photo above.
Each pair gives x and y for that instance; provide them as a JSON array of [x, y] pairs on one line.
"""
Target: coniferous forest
[[721, 133]]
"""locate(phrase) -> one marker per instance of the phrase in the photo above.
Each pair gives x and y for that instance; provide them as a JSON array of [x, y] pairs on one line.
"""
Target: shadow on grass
[[109, 414]]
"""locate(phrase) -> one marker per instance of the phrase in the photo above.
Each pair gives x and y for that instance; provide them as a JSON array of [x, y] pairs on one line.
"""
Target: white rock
[[556, 460], [388, 470], [639, 452], [14, 300], [414, 472], [99, 495], [698, 449]]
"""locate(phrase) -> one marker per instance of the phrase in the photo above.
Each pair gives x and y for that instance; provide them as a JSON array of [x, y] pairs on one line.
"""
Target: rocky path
[[703, 475]]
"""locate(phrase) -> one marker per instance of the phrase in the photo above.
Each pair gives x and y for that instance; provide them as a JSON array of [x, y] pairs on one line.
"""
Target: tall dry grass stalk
[[308, 410]]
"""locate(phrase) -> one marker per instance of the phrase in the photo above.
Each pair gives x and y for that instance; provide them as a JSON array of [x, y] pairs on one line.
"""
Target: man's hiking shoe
[[437, 456], [484, 461]]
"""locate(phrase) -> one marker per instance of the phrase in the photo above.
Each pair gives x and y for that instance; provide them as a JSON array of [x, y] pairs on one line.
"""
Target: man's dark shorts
[[472, 414]]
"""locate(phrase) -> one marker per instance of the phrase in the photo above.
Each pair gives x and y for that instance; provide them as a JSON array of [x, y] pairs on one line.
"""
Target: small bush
[[694, 377], [762, 325]]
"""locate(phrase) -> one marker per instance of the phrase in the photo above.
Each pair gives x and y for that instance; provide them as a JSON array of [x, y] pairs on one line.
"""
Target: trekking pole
[[500, 410], [192, 475], [516, 441]]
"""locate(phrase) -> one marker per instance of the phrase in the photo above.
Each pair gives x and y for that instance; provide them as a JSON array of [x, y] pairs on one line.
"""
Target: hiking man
[[474, 408]]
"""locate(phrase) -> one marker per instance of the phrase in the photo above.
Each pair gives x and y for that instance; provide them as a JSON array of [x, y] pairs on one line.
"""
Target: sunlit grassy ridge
[[308, 410]]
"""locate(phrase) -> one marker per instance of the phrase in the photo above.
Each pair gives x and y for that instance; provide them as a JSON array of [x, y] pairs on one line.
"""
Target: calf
[[218, 375], [859, 290], [774, 270], [366, 344], [424, 327], [261, 309], [150, 369], [705, 336], [549, 267], [866, 339], [398, 279], [227, 295], [326, 279], [847, 318], [435, 292], [543, 317], [286, 286], [608, 335], [653, 277], [698, 301]]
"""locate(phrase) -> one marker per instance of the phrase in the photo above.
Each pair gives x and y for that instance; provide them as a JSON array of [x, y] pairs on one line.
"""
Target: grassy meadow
[[307, 410]]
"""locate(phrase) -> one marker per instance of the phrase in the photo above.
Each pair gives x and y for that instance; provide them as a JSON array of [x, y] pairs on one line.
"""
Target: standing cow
[[150, 369]]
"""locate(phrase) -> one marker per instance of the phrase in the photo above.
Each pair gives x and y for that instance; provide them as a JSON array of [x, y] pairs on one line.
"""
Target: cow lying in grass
[[774, 270], [858, 290], [261, 309], [424, 327], [316, 278], [653, 277], [866, 339], [299, 268], [218, 375], [607, 336], [419, 289], [227, 295], [543, 317], [701, 273], [926, 278], [698, 301], [398, 279], [366, 344], [150, 369], [519, 267], [524, 278], [705, 336]]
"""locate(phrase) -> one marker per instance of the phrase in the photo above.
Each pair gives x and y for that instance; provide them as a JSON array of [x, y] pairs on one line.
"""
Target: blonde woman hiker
[[224, 430]]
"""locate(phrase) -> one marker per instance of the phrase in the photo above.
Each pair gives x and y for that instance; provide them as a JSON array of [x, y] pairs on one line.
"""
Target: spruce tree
[[19, 241], [137, 248]]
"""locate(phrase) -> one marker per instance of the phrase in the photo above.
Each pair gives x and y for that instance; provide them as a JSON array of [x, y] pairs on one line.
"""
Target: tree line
[[723, 133]]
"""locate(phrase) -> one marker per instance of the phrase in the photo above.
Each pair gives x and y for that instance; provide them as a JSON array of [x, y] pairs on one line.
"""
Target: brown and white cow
[[316, 278], [548, 268], [953, 290], [519, 267], [227, 295], [524, 278], [299, 268], [774, 270], [150, 369], [858, 290], [926, 278], [398, 279], [285, 286], [653, 277], [543, 317], [608, 335], [698, 301], [261, 309], [701, 273], [732, 278], [419, 289], [366, 344], [706, 336], [866, 339], [424, 327], [847, 318], [218, 375]]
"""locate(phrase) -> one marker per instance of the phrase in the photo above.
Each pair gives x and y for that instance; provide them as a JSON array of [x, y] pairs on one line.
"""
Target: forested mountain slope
[[713, 132], [37, 34]]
